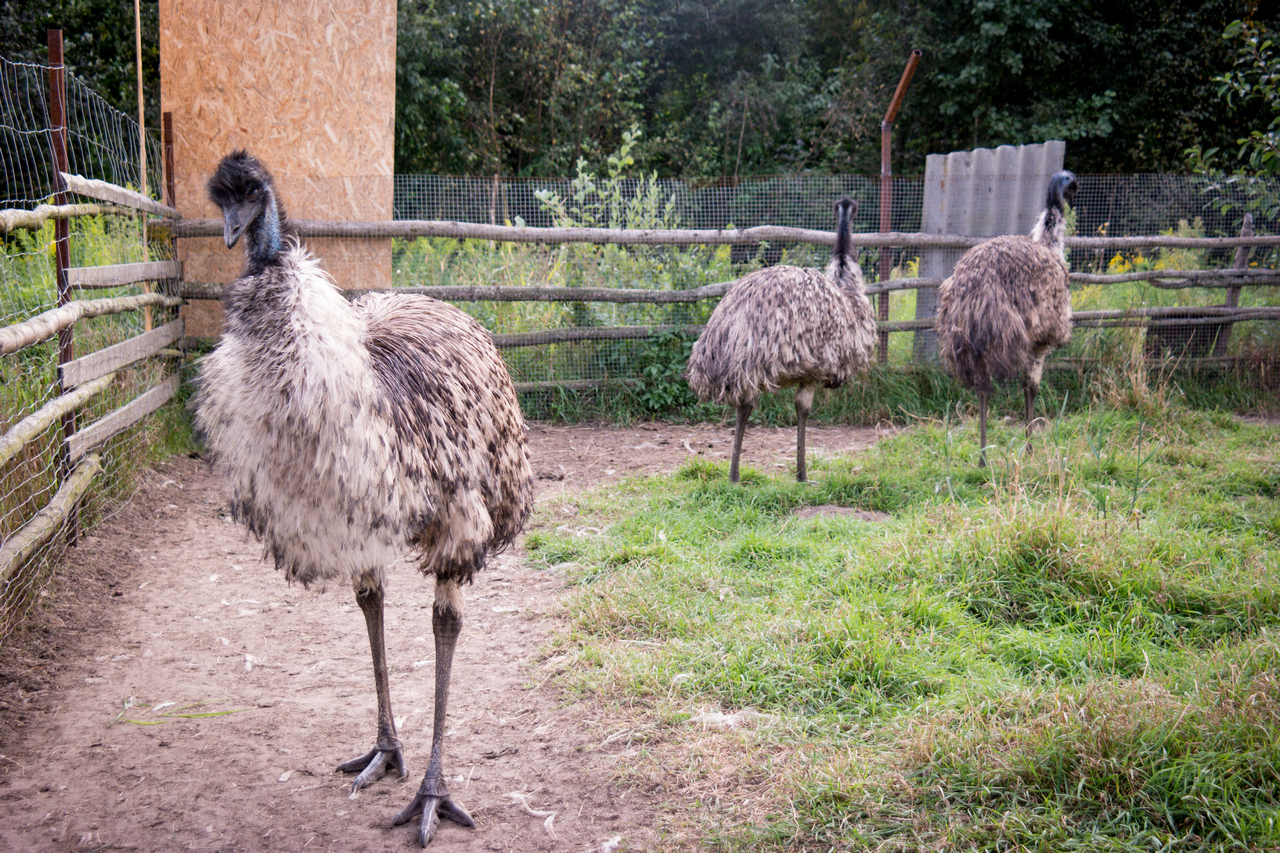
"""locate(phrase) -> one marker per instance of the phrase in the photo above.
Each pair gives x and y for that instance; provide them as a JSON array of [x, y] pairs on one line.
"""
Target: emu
[[783, 326], [1007, 305], [356, 433]]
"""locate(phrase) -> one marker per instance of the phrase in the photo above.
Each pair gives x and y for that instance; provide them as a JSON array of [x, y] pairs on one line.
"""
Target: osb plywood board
[[308, 86]]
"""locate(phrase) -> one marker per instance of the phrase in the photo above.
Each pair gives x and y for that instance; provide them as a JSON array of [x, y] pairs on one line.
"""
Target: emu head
[[844, 262], [1062, 189], [846, 209], [245, 191]]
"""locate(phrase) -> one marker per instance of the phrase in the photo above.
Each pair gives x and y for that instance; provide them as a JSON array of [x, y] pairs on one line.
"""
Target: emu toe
[[373, 765], [432, 802]]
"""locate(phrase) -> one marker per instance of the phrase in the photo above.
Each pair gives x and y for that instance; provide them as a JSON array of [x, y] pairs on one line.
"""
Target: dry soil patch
[[167, 609]]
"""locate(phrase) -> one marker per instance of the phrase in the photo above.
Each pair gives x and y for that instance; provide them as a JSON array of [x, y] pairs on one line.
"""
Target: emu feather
[[1007, 305], [786, 326], [354, 434]]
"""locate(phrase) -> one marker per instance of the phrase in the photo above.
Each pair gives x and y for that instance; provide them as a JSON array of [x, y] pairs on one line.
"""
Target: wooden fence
[[1220, 317], [81, 380]]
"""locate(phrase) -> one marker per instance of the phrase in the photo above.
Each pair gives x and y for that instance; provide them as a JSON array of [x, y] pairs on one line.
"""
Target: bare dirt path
[[166, 612]]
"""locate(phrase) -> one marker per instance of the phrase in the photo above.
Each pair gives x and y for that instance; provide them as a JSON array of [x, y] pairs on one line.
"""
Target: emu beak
[[235, 220]]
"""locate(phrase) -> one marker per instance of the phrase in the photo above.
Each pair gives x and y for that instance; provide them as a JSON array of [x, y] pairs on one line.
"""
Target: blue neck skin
[[265, 240]]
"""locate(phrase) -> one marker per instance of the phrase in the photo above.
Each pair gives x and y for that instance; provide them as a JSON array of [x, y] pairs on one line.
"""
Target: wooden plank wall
[[308, 86]]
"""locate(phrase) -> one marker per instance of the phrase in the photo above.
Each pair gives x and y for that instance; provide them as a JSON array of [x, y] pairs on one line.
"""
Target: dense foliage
[[99, 46], [748, 87], [1254, 80], [741, 87]]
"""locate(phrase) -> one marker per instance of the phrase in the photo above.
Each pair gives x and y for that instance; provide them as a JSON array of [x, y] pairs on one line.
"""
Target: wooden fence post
[[170, 184], [1233, 293], [62, 245]]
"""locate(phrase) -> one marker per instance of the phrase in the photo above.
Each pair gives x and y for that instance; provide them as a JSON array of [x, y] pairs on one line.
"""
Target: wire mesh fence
[[1133, 205], [611, 348], [641, 343], [1106, 206], [102, 143]]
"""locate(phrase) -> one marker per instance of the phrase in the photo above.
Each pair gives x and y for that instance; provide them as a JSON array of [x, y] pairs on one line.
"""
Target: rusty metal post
[[62, 227], [886, 190]]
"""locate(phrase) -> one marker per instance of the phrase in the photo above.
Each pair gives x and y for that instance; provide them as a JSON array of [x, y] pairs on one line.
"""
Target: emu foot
[[432, 802], [373, 765]]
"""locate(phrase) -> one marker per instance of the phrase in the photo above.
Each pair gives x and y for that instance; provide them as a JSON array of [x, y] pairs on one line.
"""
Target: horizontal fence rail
[[115, 275], [19, 547], [104, 191], [34, 219], [123, 418], [46, 325], [628, 294], [1165, 279], [414, 228]]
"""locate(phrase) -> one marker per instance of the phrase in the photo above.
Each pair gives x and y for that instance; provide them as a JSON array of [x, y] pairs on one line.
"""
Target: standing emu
[[783, 326], [355, 433], [1007, 305]]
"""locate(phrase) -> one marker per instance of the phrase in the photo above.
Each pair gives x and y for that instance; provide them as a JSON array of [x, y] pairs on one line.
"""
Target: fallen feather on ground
[[519, 798], [730, 721]]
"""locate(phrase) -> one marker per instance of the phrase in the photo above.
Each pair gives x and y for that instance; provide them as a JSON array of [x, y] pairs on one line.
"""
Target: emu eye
[[255, 194]]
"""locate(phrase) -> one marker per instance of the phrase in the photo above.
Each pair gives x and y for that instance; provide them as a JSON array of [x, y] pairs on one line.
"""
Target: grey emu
[[783, 326], [356, 433], [1007, 305]]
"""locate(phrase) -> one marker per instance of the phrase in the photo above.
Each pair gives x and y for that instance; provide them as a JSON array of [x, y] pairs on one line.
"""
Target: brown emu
[[1007, 305], [783, 326], [356, 433]]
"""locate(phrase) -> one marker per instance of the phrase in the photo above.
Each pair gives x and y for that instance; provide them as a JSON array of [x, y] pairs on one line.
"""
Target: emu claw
[[373, 765], [432, 808]]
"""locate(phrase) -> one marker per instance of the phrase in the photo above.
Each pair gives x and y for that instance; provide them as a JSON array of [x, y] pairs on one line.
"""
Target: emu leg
[[982, 428], [1031, 386], [804, 402], [744, 412], [386, 755], [1029, 392], [432, 800]]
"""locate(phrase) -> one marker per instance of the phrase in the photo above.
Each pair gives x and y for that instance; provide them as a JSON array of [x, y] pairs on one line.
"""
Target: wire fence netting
[[102, 143], [634, 344], [1106, 205]]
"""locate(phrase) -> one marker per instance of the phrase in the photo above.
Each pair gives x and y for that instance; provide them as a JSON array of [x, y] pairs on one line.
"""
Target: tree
[[1255, 80], [1125, 82], [98, 46], [1253, 83], [515, 87]]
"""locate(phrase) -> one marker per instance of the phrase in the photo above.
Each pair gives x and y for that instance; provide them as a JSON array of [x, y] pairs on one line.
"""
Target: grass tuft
[[1073, 649]]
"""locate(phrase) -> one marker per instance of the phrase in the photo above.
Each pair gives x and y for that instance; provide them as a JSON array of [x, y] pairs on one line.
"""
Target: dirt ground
[[177, 694]]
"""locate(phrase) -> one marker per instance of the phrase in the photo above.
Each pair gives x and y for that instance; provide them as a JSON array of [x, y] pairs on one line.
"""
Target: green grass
[[1074, 649]]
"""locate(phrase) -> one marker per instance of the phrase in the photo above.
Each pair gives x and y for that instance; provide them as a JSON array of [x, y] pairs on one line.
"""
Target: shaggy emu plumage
[[354, 434], [783, 326], [1007, 305]]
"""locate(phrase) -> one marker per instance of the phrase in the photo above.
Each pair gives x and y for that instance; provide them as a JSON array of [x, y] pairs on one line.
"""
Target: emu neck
[[265, 238], [1051, 230]]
